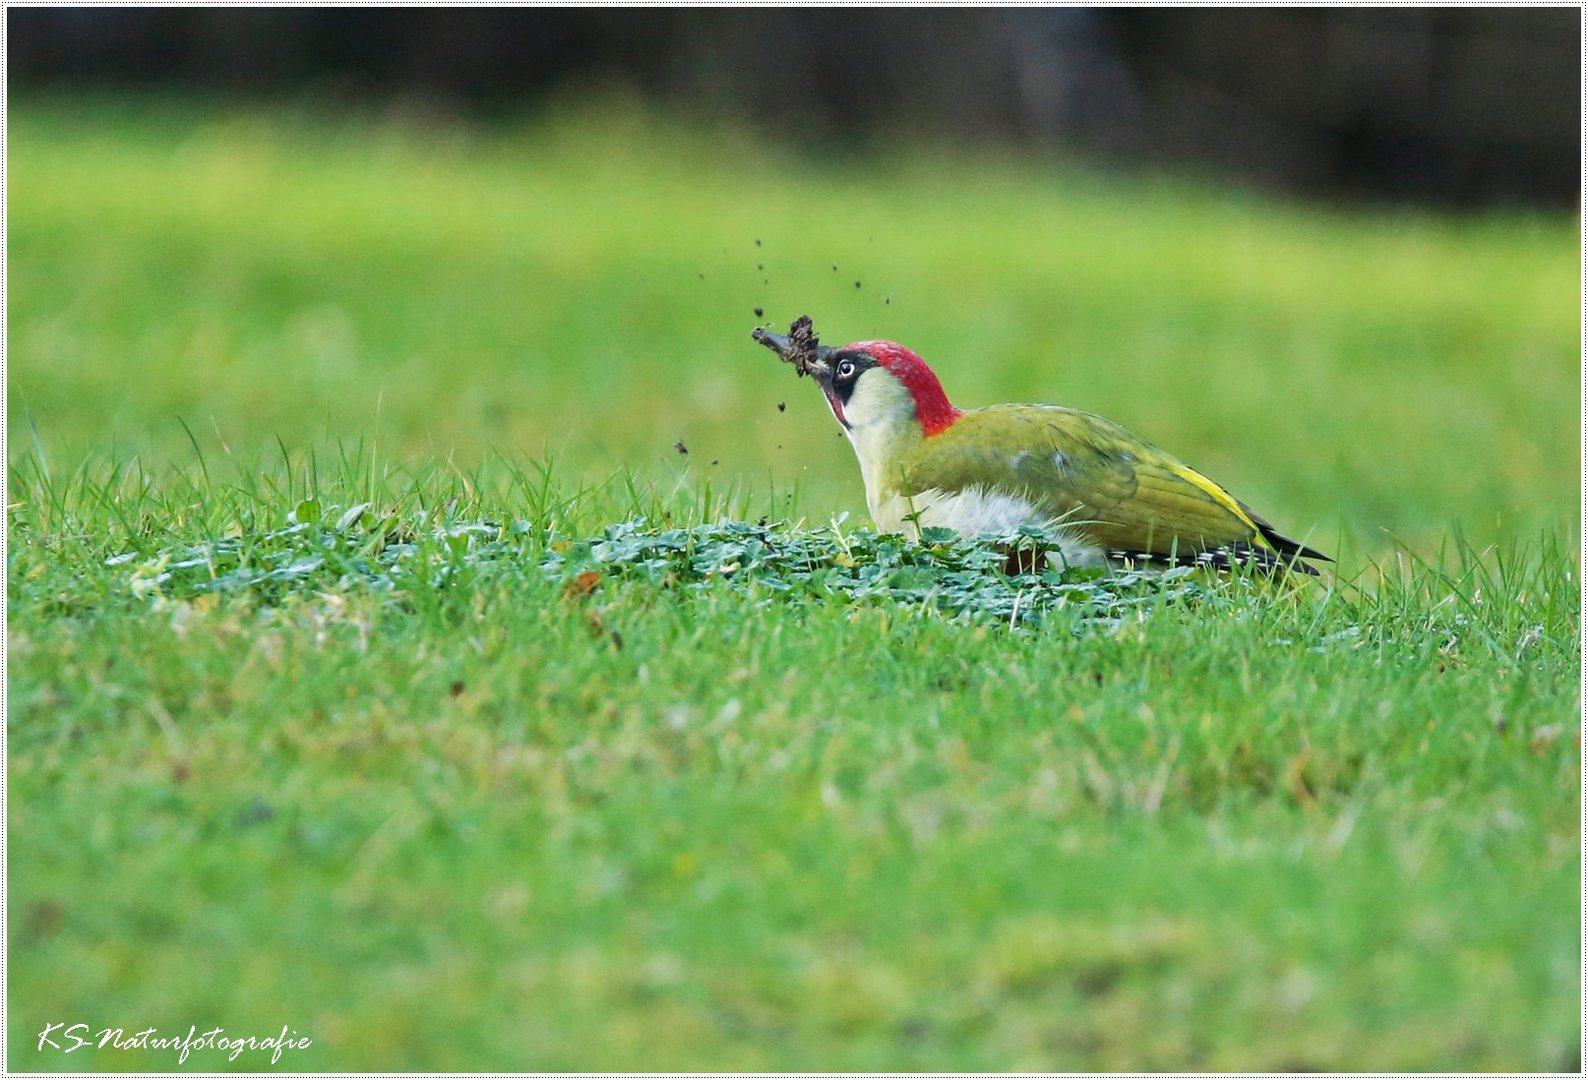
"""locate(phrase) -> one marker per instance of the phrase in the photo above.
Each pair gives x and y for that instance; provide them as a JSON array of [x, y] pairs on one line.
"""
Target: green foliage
[[325, 713], [761, 561]]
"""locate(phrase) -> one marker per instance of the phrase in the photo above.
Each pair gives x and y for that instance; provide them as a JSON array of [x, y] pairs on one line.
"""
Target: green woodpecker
[[1098, 491]]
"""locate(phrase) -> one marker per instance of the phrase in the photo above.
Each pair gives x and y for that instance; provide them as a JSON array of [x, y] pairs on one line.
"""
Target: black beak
[[808, 358]]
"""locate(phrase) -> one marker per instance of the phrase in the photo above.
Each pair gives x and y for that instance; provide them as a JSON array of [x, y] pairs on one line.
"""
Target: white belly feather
[[977, 511]]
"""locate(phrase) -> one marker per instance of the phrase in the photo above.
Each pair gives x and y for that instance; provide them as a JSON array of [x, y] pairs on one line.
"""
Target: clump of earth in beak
[[799, 347]]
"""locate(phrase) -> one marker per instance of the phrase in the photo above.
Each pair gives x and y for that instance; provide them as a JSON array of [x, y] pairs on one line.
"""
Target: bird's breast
[[977, 511], [969, 512]]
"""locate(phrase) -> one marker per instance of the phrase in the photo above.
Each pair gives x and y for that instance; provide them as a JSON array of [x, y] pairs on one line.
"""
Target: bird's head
[[873, 385], [872, 382]]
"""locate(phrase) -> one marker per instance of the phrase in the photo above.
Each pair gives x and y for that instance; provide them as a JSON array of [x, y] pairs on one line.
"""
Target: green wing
[[1097, 478]]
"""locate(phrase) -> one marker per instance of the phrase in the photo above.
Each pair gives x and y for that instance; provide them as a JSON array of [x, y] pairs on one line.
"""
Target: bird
[[1098, 495]]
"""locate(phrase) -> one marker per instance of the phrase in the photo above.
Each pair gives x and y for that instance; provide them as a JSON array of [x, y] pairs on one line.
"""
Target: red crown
[[932, 407]]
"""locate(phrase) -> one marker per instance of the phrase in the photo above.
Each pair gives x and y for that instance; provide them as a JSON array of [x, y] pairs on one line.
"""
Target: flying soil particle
[[857, 284], [680, 447], [760, 312], [782, 405], [758, 243], [835, 268]]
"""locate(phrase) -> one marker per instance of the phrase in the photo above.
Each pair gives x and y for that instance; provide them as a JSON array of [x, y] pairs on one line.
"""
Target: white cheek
[[877, 399]]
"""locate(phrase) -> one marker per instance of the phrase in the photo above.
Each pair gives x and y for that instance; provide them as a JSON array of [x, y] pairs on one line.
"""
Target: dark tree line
[[1460, 105]]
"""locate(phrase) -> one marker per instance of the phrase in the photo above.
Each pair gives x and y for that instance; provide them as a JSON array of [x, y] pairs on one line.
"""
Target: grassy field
[[339, 699]]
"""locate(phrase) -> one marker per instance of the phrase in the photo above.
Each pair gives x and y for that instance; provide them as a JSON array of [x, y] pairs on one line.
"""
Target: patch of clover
[[771, 563]]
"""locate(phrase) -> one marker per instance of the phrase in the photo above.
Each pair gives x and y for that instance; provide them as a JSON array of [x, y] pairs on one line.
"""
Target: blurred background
[[1458, 105], [1276, 242]]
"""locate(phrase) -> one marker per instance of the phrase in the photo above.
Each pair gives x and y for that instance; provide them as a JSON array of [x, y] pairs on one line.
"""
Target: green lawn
[[453, 783]]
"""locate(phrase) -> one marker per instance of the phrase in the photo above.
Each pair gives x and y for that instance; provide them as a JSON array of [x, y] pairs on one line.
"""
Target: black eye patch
[[847, 366]]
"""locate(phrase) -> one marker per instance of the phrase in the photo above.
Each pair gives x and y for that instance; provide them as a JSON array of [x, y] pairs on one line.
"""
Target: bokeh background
[[1460, 106]]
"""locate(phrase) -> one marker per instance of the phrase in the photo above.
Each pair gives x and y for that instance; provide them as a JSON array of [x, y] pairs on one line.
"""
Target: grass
[[478, 777]]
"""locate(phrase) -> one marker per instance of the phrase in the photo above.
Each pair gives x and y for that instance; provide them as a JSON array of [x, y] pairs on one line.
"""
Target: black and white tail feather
[[1282, 555]]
